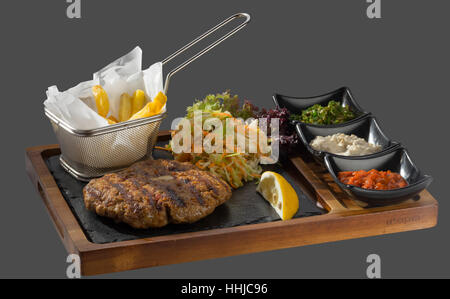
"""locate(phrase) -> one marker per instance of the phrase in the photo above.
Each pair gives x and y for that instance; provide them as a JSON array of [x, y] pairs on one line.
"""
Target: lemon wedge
[[279, 193]]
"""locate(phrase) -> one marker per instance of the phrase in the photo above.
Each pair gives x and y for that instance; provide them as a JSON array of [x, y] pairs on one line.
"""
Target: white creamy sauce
[[345, 145]]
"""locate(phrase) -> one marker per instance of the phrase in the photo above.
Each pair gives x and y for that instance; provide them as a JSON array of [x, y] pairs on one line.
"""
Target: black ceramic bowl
[[297, 104], [396, 159], [366, 127]]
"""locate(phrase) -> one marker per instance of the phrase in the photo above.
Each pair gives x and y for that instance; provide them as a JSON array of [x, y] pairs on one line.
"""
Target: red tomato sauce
[[373, 179]]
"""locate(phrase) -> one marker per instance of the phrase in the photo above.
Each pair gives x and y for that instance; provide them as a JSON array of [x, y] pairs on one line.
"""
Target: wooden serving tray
[[346, 219]]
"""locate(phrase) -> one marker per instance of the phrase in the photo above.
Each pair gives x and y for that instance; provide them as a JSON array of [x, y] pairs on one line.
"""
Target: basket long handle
[[205, 50]]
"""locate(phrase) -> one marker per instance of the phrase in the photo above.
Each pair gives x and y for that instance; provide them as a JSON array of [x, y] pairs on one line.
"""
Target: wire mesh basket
[[88, 154]]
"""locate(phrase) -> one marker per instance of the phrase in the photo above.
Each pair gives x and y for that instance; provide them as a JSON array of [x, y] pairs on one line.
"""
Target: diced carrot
[[373, 179]]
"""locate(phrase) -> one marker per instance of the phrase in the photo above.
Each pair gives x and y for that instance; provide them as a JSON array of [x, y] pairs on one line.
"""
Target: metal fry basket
[[87, 154]]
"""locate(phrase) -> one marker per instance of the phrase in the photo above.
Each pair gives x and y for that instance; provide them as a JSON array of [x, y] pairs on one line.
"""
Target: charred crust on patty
[[154, 193]]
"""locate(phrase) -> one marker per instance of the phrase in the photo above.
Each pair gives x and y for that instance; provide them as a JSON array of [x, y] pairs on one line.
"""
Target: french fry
[[138, 101], [152, 108], [125, 107], [112, 120], [101, 100], [144, 112], [159, 101]]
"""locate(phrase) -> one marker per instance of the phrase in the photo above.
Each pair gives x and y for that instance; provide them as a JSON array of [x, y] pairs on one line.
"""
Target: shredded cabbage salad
[[237, 167]]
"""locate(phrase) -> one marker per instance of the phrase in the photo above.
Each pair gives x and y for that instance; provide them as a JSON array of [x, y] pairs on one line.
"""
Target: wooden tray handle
[[324, 196], [34, 170]]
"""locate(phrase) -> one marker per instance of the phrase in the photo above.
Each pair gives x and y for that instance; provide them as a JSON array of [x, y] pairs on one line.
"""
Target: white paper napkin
[[76, 106]]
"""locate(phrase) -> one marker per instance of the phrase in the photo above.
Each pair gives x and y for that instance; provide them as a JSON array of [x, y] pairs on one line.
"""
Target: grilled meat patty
[[155, 193]]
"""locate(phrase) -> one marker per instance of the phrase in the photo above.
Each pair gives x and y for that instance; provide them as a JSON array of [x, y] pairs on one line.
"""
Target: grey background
[[397, 68]]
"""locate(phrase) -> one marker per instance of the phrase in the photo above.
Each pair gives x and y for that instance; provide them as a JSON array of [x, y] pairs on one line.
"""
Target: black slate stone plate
[[245, 207]]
